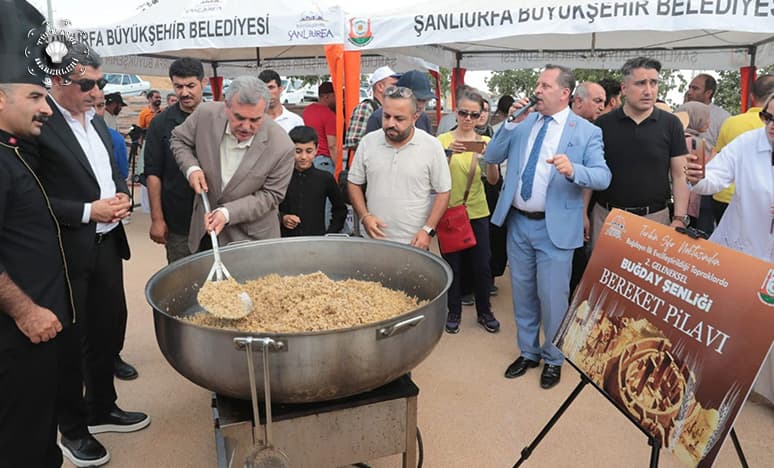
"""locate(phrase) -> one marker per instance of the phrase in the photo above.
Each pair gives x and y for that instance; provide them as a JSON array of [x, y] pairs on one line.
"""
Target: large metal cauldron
[[310, 366]]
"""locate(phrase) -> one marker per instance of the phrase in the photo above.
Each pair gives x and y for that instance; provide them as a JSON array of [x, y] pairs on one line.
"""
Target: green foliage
[[522, 82], [729, 85]]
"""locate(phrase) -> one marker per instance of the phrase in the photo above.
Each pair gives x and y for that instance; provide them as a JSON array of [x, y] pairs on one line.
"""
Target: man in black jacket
[[89, 199], [170, 195], [35, 303]]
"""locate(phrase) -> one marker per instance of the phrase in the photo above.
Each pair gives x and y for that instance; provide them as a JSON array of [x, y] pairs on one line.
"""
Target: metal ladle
[[218, 272], [265, 456]]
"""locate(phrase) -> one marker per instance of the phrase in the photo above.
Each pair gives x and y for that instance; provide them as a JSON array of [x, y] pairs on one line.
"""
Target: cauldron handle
[[399, 327]]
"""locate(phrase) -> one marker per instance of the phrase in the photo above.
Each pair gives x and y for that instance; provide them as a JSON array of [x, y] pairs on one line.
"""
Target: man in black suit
[[89, 199]]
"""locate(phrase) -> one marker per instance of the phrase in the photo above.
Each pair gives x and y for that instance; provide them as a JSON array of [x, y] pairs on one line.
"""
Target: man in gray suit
[[241, 159], [552, 156]]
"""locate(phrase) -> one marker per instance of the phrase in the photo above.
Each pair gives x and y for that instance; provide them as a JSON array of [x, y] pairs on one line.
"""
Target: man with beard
[[283, 117], [170, 196], [153, 109], [113, 105], [403, 167]]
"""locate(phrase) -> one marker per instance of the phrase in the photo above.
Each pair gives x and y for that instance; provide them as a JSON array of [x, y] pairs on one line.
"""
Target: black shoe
[[489, 322], [550, 376], [118, 420], [468, 300], [493, 290], [123, 370], [86, 451], [519, 367], [453, 323]]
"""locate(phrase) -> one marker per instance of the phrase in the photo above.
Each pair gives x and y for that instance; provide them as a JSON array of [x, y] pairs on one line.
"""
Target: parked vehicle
[[207, 91], [292, 91], [127, 85]]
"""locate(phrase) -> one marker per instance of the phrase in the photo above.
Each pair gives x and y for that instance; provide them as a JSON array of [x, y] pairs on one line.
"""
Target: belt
[[101, 236], [530, 214], [638, 210]]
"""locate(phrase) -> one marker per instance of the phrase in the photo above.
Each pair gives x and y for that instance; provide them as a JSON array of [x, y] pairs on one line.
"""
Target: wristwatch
[[686, 220], [430, 231]]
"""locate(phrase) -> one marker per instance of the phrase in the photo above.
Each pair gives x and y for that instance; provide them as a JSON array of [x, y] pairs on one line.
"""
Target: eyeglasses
[[398, 91], [766, 117], [465, 114], [88, 85], [99, 106]]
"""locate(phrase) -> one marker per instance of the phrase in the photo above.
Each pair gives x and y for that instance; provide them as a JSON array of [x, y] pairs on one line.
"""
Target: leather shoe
[[123, 370], [519, 367], [86, 451], [118, 420], [550, 376]]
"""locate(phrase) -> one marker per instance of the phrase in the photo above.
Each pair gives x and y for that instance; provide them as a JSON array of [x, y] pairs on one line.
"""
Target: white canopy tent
[[218, 32], [234, 40], [502, 34]]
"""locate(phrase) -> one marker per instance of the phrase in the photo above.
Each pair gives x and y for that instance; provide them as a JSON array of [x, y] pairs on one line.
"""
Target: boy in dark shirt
[[302, 213]]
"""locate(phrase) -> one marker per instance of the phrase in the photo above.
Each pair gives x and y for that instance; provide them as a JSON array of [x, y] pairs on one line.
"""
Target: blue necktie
[[528, 176]]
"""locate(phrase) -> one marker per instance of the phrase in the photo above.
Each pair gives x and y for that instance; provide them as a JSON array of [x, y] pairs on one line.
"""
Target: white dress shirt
[[288, 120], [746, 225], [537, 201], [99, 160]]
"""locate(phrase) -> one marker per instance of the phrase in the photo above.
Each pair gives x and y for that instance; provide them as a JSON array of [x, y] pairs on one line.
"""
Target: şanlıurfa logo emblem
[[47, 49], [360, 31], [766, 293]]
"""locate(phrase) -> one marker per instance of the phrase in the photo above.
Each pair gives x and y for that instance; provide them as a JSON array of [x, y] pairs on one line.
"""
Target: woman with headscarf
[[698, 122]]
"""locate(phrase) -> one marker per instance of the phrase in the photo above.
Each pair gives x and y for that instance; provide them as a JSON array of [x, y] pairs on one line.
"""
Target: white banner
[[218, 24], [458, 21], [674, 59]]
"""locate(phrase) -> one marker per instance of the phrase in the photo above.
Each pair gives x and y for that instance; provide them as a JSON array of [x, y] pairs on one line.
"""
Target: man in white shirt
[[402, 168], [283, 117], [241, 159]]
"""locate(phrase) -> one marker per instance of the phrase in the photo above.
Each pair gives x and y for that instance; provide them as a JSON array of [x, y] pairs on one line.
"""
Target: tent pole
[[747, 87], [258, 57]]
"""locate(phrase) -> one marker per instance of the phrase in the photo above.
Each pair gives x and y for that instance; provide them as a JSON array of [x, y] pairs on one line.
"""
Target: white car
[[127, 85], [292, 92]]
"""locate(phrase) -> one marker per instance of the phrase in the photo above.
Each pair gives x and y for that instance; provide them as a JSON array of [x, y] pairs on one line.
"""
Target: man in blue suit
[[552, 155]]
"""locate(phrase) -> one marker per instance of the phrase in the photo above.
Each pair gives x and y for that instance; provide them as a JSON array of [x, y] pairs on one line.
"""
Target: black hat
[[114, 97], [19, 51]]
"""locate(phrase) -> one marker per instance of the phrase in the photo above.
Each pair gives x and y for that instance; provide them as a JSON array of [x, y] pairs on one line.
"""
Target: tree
[[728, 94], [522, 82]]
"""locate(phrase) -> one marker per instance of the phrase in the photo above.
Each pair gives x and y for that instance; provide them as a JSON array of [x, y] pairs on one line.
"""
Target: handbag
[[454, 230]]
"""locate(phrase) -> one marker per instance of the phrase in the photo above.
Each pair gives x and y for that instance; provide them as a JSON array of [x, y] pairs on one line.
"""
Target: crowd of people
[[536, 189]]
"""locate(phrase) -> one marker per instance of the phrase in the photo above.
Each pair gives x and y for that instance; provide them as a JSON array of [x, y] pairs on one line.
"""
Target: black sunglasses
[[766, 117], [473, 115], [398, 91], [88, 85]]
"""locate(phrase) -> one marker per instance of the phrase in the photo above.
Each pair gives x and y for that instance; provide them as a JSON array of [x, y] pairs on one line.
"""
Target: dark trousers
[[498, 237], [101, 315], [476, 261], [28, 389]]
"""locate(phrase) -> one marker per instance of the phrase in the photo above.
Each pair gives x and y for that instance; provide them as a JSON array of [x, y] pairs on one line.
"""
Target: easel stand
[[655, 444]]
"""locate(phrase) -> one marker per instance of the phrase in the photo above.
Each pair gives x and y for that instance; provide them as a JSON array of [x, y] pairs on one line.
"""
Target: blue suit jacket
[[581, 141]]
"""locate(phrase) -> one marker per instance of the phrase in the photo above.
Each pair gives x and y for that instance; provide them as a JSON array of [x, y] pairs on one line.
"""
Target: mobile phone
[[474, 146]]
